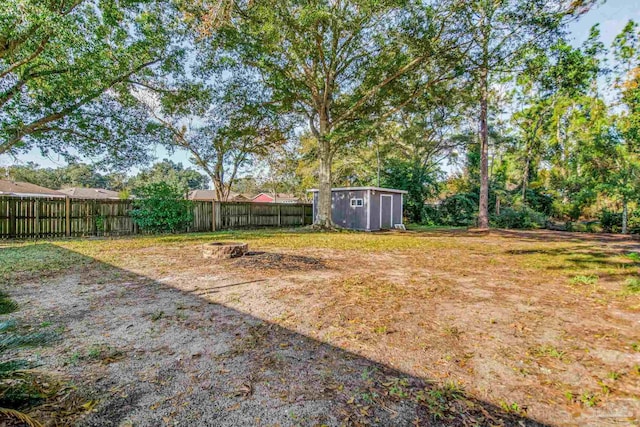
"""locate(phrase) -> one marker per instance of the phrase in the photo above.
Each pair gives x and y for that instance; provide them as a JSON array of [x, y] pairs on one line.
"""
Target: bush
[[522, 218], [161, 208], [431, 215], [459, 209], [539, 201], [611, 222]]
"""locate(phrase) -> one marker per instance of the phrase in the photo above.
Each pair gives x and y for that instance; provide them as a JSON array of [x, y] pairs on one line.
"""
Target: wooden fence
[[38, 217]]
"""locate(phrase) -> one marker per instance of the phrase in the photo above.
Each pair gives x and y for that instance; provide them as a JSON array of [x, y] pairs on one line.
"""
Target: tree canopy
[[67, 71]]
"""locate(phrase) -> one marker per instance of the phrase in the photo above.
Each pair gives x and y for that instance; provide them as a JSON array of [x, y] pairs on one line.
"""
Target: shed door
[[386, 214]]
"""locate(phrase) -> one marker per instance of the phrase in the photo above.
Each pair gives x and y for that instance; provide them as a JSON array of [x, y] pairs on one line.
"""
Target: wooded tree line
[[318, 93]]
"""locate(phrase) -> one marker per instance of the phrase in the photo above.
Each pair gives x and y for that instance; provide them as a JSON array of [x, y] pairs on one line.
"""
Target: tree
[[626, 50], [549, 86], [341, 67], [246, 185], [280, 172], [72, 175], [501, 32], [67, 70], [171, 173], [223, 129], [422, 137]]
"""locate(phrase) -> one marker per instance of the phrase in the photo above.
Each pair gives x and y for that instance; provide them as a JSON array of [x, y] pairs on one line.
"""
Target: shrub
[[431, 215], [459, 209], [522, 218], [611, 222], [539, 201], [161, 208]]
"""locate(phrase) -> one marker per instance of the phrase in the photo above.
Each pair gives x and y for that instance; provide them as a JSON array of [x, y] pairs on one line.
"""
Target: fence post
[[67, 216], [213, 215], [12, 218], [302, 208], [217, 208], [249, 222], [37, 219], [279, 216]]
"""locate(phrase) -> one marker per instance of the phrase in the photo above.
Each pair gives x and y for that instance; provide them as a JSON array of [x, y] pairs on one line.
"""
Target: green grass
[[54, 256], [634, 256], [585, 280], [582, 259], [37, 258], [633, 285], [7, 305]]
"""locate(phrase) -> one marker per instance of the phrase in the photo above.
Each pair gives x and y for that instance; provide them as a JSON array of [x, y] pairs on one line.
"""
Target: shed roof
[[386, 190]]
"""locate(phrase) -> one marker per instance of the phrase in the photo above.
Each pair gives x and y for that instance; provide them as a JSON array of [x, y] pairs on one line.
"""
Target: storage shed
[[364, 208]]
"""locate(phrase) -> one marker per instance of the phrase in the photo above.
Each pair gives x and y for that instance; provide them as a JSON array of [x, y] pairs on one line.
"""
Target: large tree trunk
[[625, 215], [323, 218], [218, 187], [483, 212]]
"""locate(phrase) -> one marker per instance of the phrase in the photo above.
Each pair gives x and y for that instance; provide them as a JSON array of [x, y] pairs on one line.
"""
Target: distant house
[[26, 189], [91, 193], [276, 198], [209, 195]]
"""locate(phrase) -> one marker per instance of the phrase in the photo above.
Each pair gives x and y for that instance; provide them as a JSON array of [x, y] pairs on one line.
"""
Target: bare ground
[[444, 328]]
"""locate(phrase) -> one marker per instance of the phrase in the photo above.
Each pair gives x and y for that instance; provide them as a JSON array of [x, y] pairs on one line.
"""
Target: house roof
[[211, 195], [386, 190], [278, 196], [26, 189], [91, 193]]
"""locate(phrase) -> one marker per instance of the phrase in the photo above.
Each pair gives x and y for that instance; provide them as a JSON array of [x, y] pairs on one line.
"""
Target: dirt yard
[[443, 327]]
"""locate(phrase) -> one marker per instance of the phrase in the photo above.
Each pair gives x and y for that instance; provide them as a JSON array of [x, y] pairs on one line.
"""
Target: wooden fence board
[[40, 217]]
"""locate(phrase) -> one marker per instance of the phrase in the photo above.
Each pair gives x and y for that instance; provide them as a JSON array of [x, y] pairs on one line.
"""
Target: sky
[[611, 15]]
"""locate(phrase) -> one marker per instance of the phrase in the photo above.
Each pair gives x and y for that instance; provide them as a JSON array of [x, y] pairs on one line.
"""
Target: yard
[[416, 328]]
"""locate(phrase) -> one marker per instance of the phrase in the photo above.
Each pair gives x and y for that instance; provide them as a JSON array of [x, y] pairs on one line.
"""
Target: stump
[[224, 250]]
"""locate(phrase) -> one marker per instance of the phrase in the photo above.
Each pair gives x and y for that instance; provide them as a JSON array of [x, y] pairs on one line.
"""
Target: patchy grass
[[585, 280], [539, 324], [633, 285]]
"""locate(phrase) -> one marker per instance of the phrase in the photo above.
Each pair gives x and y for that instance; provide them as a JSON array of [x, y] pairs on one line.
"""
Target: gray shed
[[364, 208]]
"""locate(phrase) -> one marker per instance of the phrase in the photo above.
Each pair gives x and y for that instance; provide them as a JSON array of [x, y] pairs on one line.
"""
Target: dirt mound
[[274, 261]]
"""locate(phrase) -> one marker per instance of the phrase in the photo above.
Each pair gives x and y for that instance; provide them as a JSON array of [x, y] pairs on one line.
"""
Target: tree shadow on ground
[[183, 360], [566, 236], [584, 258]]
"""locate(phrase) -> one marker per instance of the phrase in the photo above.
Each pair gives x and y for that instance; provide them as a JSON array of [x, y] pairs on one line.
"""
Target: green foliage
[[66, 71], [523, 218], [161, 208], [412, 177], [611, 221], [539, 201], [458, 210], [172, 173]]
